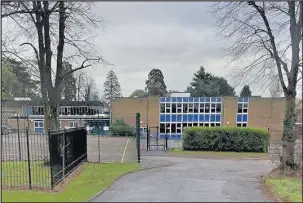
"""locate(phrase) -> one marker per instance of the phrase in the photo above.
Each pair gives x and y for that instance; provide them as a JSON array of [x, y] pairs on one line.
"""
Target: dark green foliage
[[120, 128], [207, 85], [245, 92], [139, 93], [233, 139], [155, 83], [69, 83], [17, 80]]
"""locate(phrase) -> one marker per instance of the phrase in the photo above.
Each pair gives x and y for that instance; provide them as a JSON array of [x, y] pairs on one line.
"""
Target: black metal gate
[[153, 140]]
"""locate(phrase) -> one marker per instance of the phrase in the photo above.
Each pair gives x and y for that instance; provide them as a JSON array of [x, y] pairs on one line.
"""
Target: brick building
[[172, 114]]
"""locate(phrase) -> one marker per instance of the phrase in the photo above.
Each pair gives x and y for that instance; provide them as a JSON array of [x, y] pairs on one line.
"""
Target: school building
[[72, 114], [172, 114]]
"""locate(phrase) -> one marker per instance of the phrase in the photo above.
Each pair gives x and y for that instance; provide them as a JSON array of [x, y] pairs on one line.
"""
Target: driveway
[[192, 179]]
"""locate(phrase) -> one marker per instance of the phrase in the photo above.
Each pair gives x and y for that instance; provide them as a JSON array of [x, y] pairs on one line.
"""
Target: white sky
[[176, 37]]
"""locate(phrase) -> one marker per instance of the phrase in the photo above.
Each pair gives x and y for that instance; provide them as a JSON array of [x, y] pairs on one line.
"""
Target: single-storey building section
[[173, 114], [71, 114]]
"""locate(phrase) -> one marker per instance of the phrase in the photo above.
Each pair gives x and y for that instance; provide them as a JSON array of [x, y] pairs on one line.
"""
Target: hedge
[[234, 139], [120, 128]]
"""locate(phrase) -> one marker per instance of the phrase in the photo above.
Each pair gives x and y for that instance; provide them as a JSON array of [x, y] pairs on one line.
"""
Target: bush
[[225, 139], [120, 128]]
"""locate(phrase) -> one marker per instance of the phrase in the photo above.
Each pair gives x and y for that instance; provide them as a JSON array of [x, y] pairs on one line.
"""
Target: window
[[218, 108], [39, 124], [179, 108], [195, 124], [73, 124], [162, 108], [173, 128], [167, 128], [242, 115], [185, 108], [207, 107], [218, 124], [212, 125], [174, 108], [202, 108], [36, 124], [206, 124], [189, 125], [184, 125], [162, 127], [178, 127], [167, 108], [213, 108], [201, 124], [190, 107], [196, 107]]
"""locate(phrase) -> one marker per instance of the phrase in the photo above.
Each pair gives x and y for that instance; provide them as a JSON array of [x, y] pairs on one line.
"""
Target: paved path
[[191, 179]]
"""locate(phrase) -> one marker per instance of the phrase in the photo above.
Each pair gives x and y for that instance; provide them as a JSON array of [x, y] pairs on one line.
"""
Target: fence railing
[[41, 161]]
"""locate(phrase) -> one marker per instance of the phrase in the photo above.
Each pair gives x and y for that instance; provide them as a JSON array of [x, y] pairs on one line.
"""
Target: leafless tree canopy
[[44, 35], [258, 48]]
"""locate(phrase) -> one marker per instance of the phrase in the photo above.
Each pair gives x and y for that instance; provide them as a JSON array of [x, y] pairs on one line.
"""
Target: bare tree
[[41, 25], [90, 92], [267, 35], [275, 87]]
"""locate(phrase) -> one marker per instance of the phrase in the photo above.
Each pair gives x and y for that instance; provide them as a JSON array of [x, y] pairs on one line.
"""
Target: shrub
[[225, 139], [120, 128]]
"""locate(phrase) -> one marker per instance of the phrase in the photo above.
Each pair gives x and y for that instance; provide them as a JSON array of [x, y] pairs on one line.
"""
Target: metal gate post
[[147, 138], [28, 161], [166, 145], [138, 135], [50, 158], [19, 142]]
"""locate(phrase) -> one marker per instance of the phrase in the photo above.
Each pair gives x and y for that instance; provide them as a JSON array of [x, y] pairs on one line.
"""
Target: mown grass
[[285, 188], [179, 151], [16, 174], [91, 179]]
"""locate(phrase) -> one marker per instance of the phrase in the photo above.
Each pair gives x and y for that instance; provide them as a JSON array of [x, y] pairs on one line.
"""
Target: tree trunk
[[288, 139]]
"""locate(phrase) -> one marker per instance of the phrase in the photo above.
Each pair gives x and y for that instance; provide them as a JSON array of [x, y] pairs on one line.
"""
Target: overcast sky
[[176, 37]]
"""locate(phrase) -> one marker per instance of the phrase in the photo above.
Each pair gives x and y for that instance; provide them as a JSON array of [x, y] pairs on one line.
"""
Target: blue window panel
[[190, 118], [244, 118], [196, 117], [184, 117], [201, 117], [202, 99], [39, 130], [212, 117], [207, 99], [239, 117], [240, 99], [185, 99], [190, 99], [213, 99], [219, 99], [246, 99], [206, 118], [173, 118], [179, 99], [179, 118], [196, 99], [173, 137], [162, 99], [162, 136], [179, 137], [218, 118], [173, 99], [168, 99], [162, 117], [167, 118]]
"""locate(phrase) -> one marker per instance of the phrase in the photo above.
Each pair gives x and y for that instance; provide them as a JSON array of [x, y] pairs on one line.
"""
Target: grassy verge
[[15, 174], [91, 179], [285, 188], [180, 152]]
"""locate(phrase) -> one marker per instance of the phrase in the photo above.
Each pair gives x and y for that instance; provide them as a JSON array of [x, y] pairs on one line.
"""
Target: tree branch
[[81, 67], [36, 51]]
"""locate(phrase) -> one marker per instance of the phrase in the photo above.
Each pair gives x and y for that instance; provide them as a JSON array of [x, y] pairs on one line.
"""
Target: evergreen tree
[[69, 84], [112, 88], [207, 85], [155, 83], [245, 92], [139, 93]]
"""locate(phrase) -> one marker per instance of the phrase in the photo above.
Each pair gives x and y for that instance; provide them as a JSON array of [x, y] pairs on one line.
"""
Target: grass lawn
[[285, 188], [218, 154], [91, 179], [15, 174]]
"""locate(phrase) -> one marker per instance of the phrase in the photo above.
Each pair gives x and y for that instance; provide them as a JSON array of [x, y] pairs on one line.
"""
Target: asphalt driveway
[[192, 179]]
